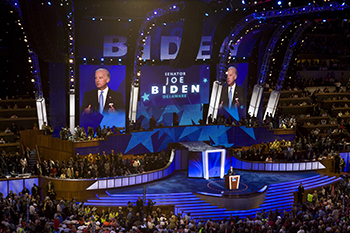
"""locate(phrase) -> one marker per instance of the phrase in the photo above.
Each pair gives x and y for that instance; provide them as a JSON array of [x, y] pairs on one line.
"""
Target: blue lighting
[[206, 14], [243, 2], [174, 6], [324, 20], [84, 59], [129, 20], [93, 19], [279, 3], [49, 3], [164, 23], [155, 12], [119, 59], [228, 9], [102, 59]]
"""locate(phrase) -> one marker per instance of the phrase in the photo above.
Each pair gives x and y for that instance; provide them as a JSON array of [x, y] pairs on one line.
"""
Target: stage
[[204, 198], [178, 182]]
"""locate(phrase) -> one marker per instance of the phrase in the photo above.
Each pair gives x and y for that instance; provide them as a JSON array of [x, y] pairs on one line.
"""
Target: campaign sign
[[161, 85]]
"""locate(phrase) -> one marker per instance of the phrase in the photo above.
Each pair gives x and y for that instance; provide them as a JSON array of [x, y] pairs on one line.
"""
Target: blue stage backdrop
[[165, 91], [158, 139], [87, 83], [195, 165]]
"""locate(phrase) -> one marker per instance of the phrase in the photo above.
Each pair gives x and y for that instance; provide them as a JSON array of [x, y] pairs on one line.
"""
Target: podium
[[232, 181]]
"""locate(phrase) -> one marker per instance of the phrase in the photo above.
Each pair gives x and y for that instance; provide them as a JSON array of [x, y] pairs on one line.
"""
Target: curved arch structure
[[289, 53], [237, 31]]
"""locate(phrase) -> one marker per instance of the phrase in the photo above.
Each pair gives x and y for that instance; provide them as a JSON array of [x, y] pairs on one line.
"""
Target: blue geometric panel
[[159, 138], [214, 164], [195, 165]]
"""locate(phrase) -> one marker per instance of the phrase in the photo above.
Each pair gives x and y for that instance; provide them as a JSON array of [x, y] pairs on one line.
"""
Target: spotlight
[[279, 3], [93, 18], [84, 59], [243, 2]]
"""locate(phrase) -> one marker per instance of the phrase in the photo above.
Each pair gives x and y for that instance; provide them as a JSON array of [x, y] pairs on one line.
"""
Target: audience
[[324, 210]]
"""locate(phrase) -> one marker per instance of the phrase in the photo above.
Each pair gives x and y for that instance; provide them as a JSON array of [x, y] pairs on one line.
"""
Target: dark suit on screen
[[239, 100], [113, 98]]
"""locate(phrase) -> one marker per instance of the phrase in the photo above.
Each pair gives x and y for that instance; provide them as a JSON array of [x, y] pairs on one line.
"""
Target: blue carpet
[[179, 182]]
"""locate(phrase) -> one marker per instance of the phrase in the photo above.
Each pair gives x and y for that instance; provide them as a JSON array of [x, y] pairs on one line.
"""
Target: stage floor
[[179, 182]]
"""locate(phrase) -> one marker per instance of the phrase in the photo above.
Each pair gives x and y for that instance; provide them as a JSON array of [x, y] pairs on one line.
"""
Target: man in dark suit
[[232, 95], [102, 100], [231, 171]]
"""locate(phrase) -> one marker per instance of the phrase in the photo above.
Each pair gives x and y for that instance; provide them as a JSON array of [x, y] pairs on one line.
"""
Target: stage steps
[[279, 196]]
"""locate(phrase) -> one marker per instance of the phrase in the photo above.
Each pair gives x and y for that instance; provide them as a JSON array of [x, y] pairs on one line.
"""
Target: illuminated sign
[[162, 86], [116, 46], [174, 86]]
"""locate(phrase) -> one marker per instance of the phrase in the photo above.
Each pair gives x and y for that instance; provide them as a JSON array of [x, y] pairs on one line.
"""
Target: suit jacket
[[231, 172], [114, 99], [238, 100]]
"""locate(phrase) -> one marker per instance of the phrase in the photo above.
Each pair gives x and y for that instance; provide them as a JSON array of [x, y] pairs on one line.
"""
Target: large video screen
[[165, 91], [233, 102], [92, 79]]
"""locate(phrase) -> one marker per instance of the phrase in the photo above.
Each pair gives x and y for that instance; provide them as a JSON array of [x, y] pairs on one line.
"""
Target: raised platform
[[215, 205]]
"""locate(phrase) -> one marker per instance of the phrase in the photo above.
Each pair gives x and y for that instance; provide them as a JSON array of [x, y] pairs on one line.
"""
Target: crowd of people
[[28, 212], [14, 163], [311, 148], [323, 210], [81, 134], [101, 165]]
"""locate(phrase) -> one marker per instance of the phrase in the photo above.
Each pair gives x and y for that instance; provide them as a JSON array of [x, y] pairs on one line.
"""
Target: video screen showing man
[[233, 97], [102, 102]]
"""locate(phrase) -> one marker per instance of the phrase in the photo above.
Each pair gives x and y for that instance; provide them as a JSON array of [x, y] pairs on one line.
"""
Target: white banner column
[[71, 110], [272, 104], [255, 100], [41, 111], [133, 102], [214, 100]]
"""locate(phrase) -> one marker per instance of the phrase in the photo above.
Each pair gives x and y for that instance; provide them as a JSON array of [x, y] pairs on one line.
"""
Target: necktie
[[101, 102], [230, 98]]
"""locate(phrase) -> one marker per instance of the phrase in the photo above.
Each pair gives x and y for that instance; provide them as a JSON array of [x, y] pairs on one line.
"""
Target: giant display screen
[[112, 112], [165, 91], [233, 102]]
